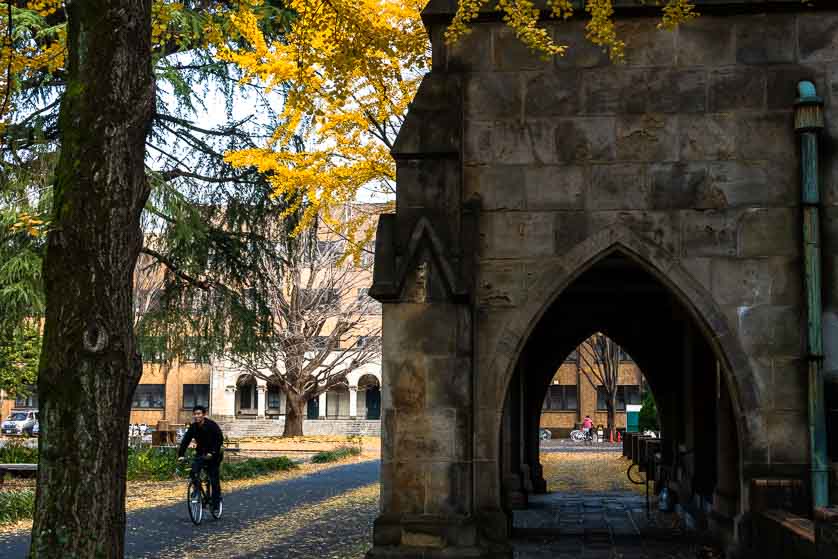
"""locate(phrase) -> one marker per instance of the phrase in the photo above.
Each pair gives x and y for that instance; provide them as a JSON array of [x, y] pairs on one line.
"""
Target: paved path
[[328, 514], [600, 526]]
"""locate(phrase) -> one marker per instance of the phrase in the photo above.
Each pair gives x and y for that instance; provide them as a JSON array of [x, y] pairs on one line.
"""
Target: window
[[192, 350], [572, 357], [274, 397], [326, 248], [27, 400], [630, 394], [601, 398], [370, 305], [626, 394], [195, 395], [322, 297], [319, 343], [149, 396], [365, 341], [561, 397], [368, 256]]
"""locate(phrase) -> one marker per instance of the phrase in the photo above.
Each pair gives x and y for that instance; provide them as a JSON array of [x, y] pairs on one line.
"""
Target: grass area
[[255, 467], [16, 505], [14, 451], [587, 471], [336, 454], [161, 464]]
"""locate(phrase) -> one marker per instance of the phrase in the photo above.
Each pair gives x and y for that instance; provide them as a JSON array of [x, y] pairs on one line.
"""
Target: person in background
[[587, 427]]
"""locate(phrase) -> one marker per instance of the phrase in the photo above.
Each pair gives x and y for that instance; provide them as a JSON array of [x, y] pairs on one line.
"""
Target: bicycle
[[580, 435], [199, 496]]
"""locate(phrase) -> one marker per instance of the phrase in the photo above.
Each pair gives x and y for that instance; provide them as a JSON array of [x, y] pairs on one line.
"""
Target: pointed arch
[[554, 276], [424, 236]]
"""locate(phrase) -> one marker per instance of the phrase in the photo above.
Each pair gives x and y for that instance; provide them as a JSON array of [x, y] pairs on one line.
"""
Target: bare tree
[[599, 361], [320, 325]]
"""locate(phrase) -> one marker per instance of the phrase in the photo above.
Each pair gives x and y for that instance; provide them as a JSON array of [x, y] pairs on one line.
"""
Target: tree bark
[[612, 419], [89, 363], [295, 407]]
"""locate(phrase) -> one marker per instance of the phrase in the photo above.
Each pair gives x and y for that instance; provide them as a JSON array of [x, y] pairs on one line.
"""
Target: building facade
[[170, 393], [572, 395], [238, 397]]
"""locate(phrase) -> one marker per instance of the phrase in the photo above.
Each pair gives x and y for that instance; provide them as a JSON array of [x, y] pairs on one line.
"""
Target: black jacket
[[208, 438]]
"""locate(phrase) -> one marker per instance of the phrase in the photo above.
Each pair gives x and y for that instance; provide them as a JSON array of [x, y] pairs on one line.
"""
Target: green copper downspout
[[808, 122]]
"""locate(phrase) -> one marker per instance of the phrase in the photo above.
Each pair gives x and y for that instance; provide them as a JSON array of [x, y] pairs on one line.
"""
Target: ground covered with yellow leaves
[[587, 472]]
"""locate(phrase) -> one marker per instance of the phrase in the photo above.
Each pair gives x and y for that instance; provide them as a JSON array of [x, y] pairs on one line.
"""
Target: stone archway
[[516, 177], [546, 330], [502, 353], [246, 396]]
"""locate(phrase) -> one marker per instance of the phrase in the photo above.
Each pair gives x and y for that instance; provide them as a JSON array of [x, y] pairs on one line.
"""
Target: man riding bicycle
[[208, 454]]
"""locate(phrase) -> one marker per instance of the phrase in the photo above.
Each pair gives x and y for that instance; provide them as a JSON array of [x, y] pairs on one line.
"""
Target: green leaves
[[20, 351], [648, 419]]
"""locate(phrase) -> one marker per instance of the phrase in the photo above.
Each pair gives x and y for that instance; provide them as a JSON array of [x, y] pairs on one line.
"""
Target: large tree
[[318, 327], [197, 221], [599, 362], [89, 363]]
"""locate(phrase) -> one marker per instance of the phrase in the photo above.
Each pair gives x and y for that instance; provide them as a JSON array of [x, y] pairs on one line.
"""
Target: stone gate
[[657, 201]]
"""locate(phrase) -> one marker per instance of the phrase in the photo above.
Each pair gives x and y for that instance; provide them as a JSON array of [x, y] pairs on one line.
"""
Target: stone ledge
[[779, 535], [442, 10]]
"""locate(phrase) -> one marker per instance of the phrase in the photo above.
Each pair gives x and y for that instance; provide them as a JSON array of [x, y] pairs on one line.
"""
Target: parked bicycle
[[199, 494], [582, 436]]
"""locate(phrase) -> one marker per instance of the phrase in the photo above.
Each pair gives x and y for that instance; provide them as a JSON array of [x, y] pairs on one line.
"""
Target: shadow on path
[[262, 521]]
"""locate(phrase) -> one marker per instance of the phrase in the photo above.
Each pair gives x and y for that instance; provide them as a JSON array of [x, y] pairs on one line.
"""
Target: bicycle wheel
[[216, 514], [195, 502], [640, 480]]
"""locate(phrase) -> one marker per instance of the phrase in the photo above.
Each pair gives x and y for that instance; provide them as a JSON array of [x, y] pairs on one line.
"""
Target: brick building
[[571, 396]]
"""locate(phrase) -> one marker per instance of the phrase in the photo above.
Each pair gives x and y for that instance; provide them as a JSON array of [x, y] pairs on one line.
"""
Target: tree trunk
[[89, 363], [612, 419], [295, 408]]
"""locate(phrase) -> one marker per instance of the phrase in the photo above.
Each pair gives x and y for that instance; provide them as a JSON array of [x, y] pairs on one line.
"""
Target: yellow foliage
[[523, 17], [677, 12], [347, 70], [33, 226]]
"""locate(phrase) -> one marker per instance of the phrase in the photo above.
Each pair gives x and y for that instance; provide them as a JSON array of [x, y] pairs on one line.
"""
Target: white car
[[20, 422]]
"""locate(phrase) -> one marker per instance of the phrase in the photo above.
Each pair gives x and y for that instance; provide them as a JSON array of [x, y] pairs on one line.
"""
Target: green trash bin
[[632, 418]]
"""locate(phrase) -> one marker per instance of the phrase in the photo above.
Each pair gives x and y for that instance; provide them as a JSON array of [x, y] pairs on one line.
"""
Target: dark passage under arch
[[622, 299]]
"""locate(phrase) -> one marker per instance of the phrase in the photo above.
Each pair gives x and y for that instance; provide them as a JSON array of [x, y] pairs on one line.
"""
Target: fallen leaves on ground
[[587, 471], [337, 527], [149, 494]]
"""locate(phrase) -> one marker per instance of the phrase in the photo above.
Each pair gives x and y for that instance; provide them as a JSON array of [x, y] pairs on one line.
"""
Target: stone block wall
[[515, 173], [689, 144]]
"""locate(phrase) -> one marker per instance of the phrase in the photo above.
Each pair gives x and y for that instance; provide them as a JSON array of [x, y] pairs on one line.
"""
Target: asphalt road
[[322, 515]]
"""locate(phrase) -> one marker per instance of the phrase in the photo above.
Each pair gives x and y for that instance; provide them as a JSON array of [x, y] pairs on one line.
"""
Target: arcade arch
[[652, 309]]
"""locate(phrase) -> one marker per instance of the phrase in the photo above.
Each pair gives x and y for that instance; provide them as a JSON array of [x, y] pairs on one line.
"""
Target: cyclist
[[208, 452], [587, 427]]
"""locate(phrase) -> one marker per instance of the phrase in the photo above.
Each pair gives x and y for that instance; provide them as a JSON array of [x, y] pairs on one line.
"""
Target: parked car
[[36, 429], [545, 434], [20, 422]]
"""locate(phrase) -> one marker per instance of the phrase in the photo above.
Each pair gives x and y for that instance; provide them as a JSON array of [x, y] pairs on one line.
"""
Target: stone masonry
[[664, 188]]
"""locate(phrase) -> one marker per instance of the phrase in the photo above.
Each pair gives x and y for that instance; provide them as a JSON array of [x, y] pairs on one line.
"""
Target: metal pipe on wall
[[808, 123]]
